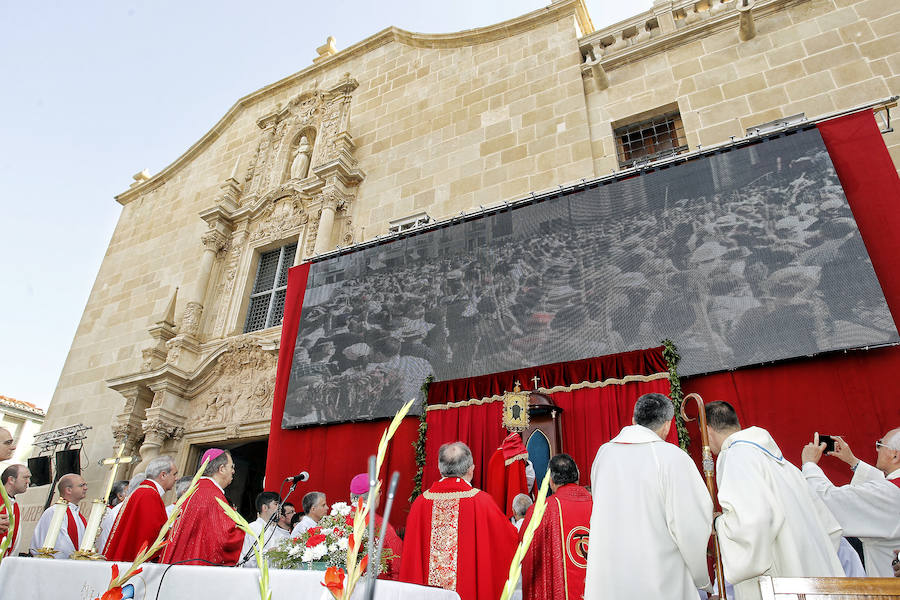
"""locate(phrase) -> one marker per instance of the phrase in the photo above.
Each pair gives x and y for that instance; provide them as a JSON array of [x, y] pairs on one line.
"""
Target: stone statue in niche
[[300, 166]]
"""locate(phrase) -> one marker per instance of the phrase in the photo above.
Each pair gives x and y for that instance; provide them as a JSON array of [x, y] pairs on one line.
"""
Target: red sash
[[895, 481], [72, 527], [15, 533]]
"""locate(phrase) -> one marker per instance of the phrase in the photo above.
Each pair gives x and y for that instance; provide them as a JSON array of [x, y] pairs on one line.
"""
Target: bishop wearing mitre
[[203, 534]]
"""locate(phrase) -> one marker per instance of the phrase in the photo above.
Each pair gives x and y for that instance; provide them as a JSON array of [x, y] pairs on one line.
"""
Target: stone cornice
[[683, 34], [550, 14]]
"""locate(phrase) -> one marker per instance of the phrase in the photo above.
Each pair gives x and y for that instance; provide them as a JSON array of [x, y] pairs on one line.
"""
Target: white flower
[[333, 548], [308, 555], [295, 551], [319, 551], [343, 543], [340, 508]]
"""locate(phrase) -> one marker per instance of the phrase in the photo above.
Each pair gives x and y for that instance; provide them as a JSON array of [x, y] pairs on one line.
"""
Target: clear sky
[[96, 91]]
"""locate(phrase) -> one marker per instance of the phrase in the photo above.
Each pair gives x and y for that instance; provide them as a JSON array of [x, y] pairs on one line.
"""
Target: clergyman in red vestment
[[506, 473], [555, 564], [456, 536], [203, 532], [16, 479], [143, 513], [359, 488]]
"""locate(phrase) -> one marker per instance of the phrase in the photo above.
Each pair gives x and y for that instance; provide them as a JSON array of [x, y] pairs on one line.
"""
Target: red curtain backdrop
[[591, 416]]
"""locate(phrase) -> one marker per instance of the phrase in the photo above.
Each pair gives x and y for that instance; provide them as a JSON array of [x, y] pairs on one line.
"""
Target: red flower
[[338, 531], [349, 520], [115, 593], [334, 581], [315, 540], [364, 563], [314, 530]]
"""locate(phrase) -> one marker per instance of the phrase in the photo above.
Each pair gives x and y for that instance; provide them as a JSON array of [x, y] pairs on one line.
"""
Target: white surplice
[[650, 523], [771, 523], [64, 545], [106, 524], [868, 508], [274, 535]]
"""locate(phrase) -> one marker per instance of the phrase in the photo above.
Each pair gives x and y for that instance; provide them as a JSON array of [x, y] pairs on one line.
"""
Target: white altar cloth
[[46, 579]]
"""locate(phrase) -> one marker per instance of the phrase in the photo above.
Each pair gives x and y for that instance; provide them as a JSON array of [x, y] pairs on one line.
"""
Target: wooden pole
[[709, 474]]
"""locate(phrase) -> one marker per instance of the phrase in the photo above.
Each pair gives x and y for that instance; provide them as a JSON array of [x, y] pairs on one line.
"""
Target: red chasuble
[[138, 522], [204, 531], [506, 472], [393, 543], [15, 532], [556, 562], [457, 539]]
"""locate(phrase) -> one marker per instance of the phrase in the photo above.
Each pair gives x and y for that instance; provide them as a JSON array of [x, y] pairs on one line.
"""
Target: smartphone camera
[[829, 442]]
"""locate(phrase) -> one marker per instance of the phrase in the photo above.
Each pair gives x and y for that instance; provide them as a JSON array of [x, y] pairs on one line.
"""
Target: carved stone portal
[[242, 388]]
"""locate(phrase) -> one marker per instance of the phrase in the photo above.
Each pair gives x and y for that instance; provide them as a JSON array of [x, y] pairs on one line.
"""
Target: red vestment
[[393, 543], [556, 562], [15, 532], [506, 472], [204, 531], [457, 539], [137, 523]]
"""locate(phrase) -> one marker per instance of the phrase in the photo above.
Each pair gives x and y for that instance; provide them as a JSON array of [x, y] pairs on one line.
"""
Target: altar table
[[48, 579]]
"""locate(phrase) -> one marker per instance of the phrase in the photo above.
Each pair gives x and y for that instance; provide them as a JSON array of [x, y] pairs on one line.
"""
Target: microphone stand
[[272, 519], [392, 489]]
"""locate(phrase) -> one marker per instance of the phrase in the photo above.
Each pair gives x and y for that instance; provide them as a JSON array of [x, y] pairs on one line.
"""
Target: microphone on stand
[[303, 476]]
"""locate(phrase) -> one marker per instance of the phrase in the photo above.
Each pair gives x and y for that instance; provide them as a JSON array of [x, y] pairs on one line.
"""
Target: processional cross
[[98, 508], [536, 380]]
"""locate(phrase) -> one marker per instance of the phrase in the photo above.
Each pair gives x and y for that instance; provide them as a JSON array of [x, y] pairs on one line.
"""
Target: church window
[[407, 223], [270, 288], [645, 138]]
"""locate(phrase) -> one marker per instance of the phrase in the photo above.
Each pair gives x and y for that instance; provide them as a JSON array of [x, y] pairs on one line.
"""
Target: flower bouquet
[[324, 545]]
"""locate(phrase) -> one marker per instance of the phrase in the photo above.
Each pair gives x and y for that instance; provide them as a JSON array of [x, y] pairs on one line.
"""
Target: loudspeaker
[[40, 471], [68, 461]]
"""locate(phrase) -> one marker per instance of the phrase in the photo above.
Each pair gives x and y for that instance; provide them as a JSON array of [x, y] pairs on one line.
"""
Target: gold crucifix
[[114, 464]]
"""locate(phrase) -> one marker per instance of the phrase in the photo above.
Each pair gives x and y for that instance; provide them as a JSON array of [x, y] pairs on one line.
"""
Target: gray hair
[[310, 500], [893, 441], [136, 481], [454, 460], [653, 411], [520, 504], [181, 486], [159, 465]]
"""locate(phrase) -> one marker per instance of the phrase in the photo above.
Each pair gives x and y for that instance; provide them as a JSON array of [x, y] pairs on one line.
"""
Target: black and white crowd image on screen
[[748, 256]]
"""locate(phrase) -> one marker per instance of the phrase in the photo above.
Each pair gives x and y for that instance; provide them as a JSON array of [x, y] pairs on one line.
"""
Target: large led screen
[[748, 256]]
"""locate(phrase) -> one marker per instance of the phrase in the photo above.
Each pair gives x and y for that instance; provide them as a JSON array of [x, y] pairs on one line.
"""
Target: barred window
[[650, 139], [267, 296]]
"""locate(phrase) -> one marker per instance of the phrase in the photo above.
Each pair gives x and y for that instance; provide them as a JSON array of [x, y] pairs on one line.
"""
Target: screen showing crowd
[[747, 256]]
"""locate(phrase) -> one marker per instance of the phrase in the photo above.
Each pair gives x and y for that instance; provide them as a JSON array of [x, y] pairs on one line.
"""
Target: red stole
[[555, 565], [72, 526], [137, 523], [457, 539], [506, 473], [895, 481], [15, 532], [204, 531]]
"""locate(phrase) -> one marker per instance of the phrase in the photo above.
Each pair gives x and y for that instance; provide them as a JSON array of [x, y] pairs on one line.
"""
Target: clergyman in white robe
[[64, 544], [106, 523], [650, 523], [867, 508], [771, 523], [274, 535]]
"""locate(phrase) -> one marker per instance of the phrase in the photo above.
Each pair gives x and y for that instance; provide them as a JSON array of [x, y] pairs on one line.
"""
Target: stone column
[[326, 224], [213, 241]]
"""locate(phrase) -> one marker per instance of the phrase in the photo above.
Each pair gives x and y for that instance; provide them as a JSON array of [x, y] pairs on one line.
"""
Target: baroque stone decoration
[[242, 388]]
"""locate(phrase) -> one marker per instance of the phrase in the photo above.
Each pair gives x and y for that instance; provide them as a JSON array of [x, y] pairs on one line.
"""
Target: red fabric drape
[[332, 454], [591, 416]]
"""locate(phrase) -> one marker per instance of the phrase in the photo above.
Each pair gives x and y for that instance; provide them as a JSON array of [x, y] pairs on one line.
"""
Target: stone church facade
[[177, 345]]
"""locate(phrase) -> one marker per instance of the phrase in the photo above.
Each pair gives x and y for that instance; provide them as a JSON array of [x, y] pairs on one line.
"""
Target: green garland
[[670, 353], [419, 444]]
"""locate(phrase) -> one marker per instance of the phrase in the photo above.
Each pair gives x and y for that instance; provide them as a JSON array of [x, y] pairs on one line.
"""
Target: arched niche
[[291, 166]]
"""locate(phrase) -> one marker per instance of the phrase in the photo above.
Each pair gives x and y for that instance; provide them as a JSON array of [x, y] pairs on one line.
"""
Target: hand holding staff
[[709, 473]]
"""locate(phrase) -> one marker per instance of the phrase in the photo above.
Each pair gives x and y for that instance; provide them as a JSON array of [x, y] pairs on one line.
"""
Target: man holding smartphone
[[867, 508]]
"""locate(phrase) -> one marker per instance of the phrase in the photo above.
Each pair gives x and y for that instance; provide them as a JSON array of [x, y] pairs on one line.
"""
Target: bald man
[[867, 507], [7, 447], [73, 489]]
